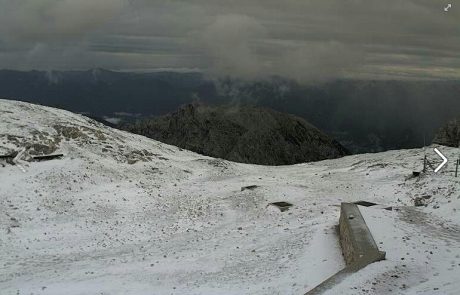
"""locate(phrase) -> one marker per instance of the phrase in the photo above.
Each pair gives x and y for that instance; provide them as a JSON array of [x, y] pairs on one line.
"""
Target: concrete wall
[[358, 246], [355, 238]]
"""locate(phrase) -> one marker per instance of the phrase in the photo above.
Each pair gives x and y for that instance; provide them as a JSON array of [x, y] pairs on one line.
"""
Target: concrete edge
[[358, 246]]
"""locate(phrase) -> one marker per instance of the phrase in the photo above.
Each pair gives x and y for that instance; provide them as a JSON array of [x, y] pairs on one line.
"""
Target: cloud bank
[[304, 40]]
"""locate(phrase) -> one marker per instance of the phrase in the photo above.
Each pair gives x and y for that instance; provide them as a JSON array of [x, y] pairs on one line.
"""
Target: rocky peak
[[449, 134], [241, 134]]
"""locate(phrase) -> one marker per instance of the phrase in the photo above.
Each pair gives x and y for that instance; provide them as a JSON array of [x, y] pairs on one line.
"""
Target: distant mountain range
[[365, 116], [241, 134], [103, 93]]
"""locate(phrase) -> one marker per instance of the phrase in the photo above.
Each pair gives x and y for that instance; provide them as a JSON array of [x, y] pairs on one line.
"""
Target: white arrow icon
[[446, 9], [444, 160]]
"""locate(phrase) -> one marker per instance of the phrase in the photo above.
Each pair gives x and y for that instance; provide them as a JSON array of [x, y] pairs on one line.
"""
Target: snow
[[174, 222]]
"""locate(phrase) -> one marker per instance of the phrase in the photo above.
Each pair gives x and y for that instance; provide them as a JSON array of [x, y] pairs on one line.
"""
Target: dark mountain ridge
[[241, 134], [449, 134], [363, 115]]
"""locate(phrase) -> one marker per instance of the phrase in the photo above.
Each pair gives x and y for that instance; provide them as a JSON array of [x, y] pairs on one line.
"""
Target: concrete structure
[[358, 246]]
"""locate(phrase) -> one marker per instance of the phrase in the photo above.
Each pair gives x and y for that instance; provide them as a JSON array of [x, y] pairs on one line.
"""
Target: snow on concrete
[[123, 214]]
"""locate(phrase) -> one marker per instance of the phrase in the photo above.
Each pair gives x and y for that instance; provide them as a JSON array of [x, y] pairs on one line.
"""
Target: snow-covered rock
[[123, 214]]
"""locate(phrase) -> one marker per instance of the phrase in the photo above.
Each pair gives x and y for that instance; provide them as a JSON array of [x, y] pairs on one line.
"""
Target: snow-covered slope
[[123, 214]]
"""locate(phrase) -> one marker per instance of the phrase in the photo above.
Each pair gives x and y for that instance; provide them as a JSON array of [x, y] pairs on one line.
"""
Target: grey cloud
[[48, 20], [304, 40], [321, 61], [228, 42]]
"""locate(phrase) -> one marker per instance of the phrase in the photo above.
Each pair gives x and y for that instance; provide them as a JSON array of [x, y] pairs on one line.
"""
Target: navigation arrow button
[[444, 160]]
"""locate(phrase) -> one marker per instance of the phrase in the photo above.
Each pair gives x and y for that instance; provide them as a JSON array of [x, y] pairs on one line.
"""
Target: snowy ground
[[123, 214], [422, 255]]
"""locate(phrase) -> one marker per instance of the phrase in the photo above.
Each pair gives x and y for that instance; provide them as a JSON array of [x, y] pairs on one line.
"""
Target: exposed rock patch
[[449, 134]]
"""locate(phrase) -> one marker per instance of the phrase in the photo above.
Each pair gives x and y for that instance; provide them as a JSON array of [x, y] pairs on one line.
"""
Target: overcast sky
[[306, 40]]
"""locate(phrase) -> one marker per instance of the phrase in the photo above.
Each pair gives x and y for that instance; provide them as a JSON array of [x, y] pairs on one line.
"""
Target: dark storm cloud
[[304, 40]]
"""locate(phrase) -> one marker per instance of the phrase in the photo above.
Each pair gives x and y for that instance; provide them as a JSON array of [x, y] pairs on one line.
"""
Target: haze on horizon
[[301, 40]]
